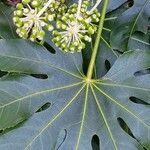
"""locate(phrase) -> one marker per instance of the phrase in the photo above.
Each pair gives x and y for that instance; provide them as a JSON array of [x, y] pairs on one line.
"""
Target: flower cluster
[[71, 26], [32, 22], [58, 8], [73, 29]]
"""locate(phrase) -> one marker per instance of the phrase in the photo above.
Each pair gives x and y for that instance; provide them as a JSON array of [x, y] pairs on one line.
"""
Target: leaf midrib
[[39, 62], [104, 118], [138, 40], [123, 86], [122, 106], [109, 46], [83, 117], [42, 92], [55, 117]]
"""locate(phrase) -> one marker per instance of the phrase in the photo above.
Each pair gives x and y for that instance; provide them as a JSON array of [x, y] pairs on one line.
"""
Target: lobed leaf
[[134, 19], [79, 108]]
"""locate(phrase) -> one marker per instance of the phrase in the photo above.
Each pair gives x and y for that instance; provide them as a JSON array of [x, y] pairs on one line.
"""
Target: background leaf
[[139, 40], [7, 29], [134, 19]]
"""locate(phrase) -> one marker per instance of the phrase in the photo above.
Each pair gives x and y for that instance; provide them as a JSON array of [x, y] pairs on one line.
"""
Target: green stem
[[98, 37]]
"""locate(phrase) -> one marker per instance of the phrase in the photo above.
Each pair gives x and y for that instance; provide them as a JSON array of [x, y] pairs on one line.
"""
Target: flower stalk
[[98, 37], [79, 8], [76, 27]]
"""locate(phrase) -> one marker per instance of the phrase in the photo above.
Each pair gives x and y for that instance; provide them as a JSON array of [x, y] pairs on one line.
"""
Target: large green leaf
[[134, 19], [137, 16], [18, 57], [79, 108]]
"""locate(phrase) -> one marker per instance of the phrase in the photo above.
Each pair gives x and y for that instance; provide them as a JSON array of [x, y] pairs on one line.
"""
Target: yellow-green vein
[[104, 118], [138, 40], [83, 117], [82, 75], [123, 86], [40, 62], [123, 107], [108, 45], [55, 117], [110, 18], [107, 29], [42, 92]]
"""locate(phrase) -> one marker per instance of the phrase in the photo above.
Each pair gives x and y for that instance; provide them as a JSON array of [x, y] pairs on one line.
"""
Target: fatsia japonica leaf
[[79, 108], [134, 19], [18, 57], [137, 15], [7, 29]]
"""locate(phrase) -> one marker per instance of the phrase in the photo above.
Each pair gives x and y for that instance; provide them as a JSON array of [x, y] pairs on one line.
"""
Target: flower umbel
[[57, 7], [32, 21], [76, 27]]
